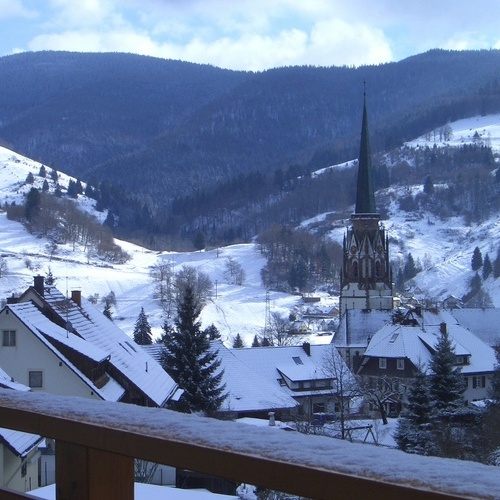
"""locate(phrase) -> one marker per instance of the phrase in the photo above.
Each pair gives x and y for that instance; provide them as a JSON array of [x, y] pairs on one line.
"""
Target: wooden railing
[[96, 443]]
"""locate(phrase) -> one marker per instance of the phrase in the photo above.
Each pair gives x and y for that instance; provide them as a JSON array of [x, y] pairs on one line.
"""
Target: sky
[[251, 34]]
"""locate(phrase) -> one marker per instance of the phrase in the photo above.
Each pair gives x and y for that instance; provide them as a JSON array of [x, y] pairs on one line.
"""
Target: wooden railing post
[[84, 473]]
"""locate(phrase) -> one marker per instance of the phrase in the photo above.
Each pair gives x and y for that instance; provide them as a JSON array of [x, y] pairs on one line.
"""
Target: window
[[319, 408], [478, 381], [297, 360], [35, 379], [9, 338], [382, 363], [400, 364]]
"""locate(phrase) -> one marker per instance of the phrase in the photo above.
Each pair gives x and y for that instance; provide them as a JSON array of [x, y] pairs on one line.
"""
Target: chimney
[[39, 283], [12, 300], [272, 420], [307, 348], [76, 297], [442, 328]]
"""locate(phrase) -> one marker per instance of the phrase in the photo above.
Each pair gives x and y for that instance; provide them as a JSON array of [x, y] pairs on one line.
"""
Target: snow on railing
[[96, 442]]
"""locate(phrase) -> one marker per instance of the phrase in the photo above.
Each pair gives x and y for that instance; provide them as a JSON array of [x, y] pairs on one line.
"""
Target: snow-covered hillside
[[444, 249]]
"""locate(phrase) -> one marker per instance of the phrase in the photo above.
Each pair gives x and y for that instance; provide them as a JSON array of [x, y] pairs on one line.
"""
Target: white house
[[67, 347], [301, 371], [399, 350], [249, 394], [19, 454]]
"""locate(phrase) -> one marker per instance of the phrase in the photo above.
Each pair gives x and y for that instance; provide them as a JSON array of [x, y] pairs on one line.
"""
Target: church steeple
[[365, 194], [366, 281]]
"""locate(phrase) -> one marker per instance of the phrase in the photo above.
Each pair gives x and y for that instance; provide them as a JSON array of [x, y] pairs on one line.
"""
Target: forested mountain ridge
[[182, 146]]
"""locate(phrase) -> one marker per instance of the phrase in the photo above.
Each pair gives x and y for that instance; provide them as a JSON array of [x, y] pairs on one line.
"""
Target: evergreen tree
[[410, 269], [49, 279], [32, 205], [199, 241], [72, 189], [238, 342], [212, 332], [45, 186], [42, 172], [494, 390], [142, 330], [496, 264], [487, 267], [265, 342], [446, 382], [30, 178], [428, 186], [190, 362], [256, 342], [54, 175], [413, 433], [477, 259]]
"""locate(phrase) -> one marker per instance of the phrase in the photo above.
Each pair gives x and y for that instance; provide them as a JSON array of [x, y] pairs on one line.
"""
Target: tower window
[[355, 269]]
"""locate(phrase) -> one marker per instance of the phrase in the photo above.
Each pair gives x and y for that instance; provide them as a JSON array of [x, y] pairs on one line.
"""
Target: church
[[374, 340]]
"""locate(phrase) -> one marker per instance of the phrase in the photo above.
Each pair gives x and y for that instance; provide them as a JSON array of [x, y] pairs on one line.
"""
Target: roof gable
[[125, 355]]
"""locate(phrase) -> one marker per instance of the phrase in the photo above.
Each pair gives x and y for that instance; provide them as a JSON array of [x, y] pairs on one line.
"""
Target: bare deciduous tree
[[345, 387], [277, 332], [163, 274]]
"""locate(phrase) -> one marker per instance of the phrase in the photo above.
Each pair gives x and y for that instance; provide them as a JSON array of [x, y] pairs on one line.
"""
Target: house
[[398, 351], [66, 346], [19, 454], [249, 393], [452, 302], [301, 371]]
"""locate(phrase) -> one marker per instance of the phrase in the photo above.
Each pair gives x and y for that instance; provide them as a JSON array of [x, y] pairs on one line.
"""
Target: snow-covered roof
[[8, 382], [417, 342], [20, 443], [357, 325], [32, 317], [42, 327], [125, 355], [291, 361], [247, 389], [484, 323]]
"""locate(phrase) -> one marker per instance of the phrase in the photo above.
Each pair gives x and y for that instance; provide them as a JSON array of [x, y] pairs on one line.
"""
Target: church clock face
[[354, 250]]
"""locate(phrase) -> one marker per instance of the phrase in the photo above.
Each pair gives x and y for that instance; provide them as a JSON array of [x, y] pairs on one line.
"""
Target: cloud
[[260, 34], [15, 8]]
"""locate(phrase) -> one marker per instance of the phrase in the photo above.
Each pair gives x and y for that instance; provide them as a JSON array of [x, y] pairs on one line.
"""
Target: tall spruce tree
[[189, 360], [238, 342], [446, 383], [413, 433], [487, 267], [476, 260], [494, 390], [142, 330]]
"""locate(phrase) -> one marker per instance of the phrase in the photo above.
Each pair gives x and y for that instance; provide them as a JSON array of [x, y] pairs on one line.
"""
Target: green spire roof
[[365, 195]]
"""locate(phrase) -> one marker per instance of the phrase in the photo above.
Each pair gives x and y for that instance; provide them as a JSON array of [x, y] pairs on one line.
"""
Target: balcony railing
[[96, 443]]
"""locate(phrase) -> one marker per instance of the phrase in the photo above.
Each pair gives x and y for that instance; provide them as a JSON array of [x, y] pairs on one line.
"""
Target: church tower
[[366, 280]]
